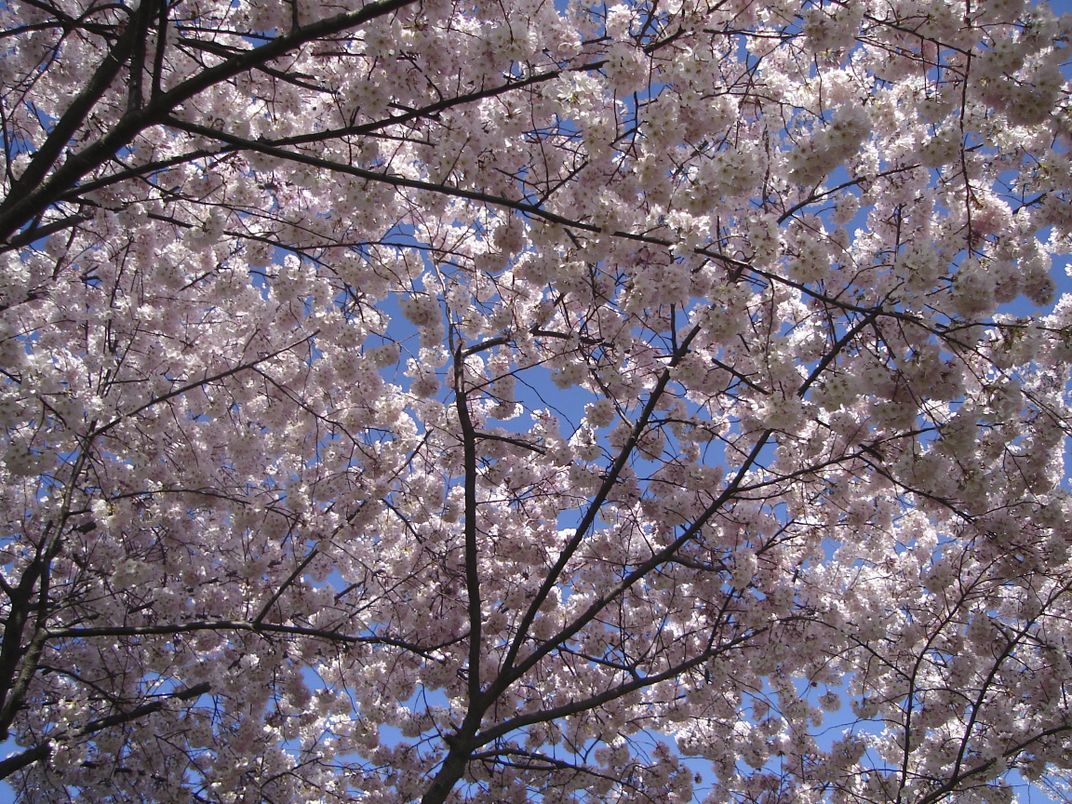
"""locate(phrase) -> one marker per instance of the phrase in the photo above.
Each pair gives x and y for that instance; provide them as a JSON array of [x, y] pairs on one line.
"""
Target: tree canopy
[[562, 401]]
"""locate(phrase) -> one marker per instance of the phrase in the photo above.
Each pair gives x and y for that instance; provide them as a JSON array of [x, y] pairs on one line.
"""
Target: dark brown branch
[[511, 674], [243, 625], [585, 704], [11, 650], [43, 750], [37, 232], [591, 512], [31, 197], [472, 559], [283, 586], [65, 128]]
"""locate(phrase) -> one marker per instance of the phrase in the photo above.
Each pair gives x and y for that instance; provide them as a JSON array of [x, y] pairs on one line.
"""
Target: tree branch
[[43, 750]]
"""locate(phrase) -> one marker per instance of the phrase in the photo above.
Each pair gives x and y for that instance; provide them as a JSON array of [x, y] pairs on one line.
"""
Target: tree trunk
[[449, 773]]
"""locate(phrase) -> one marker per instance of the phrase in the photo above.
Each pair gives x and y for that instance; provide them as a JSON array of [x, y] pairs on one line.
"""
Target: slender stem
[[472, 563]]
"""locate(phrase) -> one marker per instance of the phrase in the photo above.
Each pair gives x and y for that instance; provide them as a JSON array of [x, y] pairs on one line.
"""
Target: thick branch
[[68, 124], [31, 198]]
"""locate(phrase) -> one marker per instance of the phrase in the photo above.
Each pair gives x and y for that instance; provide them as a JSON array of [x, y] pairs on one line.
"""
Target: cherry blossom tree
[[660, 401]]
